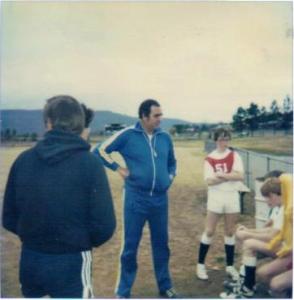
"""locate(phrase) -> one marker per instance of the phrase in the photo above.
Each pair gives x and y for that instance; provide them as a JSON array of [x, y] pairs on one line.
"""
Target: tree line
[[11, 135], [276, 117]]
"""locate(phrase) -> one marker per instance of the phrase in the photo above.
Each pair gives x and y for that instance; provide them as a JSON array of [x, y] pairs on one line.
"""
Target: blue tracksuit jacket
[[151, 163]]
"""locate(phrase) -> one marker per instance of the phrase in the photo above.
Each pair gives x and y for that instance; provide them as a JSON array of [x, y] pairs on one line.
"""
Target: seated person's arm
[[268, 223], [265, 235]]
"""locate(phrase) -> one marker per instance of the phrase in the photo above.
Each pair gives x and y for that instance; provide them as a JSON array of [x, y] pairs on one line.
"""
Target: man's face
[[153, 120], [273, 200]]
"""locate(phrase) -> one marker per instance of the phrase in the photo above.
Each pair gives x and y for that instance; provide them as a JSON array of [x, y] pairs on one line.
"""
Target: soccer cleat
[[238, 293], [231, 285], [170, 294], [201, 272], [232, 272]]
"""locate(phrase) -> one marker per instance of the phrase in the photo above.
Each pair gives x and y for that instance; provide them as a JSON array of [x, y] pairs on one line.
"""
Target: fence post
[[247, 167], [268, 163]]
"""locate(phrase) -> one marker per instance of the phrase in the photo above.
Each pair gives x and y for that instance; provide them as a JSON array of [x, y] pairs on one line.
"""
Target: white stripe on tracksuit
[[110, 140], [86, 274]]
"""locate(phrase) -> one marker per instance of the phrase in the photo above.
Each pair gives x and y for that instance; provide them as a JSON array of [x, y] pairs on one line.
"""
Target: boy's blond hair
[[271, 186]]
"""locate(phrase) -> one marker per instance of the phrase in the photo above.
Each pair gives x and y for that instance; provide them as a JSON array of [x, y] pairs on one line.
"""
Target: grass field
[[276, 145], [186, 220]]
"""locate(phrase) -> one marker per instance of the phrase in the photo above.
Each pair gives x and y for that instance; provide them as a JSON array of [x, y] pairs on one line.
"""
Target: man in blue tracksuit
[[150, 169]]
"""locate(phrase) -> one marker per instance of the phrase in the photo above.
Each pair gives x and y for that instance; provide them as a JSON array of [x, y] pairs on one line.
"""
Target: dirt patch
[[186, 220]]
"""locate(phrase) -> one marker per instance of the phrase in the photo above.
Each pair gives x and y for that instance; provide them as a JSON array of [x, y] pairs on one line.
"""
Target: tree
[[239, 119], [274, 111], [13, 134], [252, 120], [287, 105], [274, 107], [34, 137], [287, 116], [275, 115], [7, 134], [263, 115]]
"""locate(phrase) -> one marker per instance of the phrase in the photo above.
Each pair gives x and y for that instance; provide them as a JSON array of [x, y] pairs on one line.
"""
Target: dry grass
[[187, 215], [276, 145]]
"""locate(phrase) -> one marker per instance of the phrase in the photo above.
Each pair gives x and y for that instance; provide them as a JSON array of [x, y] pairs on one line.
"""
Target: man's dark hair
[[272, 185], [89, 115], [145, 107], [65, 113]]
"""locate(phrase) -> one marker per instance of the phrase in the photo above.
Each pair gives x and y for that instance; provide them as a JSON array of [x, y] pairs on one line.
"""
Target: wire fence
[[257, 165]]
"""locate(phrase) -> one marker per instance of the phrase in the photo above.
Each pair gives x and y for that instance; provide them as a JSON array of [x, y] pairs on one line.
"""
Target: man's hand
[[123, 172]]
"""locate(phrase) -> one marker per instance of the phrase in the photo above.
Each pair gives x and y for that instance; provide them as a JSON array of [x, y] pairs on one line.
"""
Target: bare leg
[[281, 282], [230, 224], [274, 268], [211, 222], [252, 246]]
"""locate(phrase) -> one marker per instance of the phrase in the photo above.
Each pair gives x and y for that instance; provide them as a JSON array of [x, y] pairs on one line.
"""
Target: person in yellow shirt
[[279, 272], [282, 243], [278, 192]]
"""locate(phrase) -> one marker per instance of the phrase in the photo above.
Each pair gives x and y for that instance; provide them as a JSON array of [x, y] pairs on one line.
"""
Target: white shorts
[[223, 202]]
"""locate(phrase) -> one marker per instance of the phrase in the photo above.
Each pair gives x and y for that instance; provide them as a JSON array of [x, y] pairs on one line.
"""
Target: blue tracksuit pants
[[138, 209]]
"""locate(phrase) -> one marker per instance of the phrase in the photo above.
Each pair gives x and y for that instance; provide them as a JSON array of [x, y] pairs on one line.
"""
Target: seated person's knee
[[275, 286], [249, 246]]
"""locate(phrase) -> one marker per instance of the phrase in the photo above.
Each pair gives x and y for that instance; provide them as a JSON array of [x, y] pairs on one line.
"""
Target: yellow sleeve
[[282, 242]]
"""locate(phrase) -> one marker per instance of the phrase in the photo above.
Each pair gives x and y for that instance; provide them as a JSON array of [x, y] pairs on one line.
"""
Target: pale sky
[[200, 60]]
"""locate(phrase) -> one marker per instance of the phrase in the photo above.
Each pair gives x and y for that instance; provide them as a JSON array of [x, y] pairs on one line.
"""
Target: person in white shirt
[[271, 228], [223, 173]]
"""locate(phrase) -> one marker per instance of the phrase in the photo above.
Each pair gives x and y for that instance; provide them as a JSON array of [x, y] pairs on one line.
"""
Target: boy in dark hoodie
[[58, 201]]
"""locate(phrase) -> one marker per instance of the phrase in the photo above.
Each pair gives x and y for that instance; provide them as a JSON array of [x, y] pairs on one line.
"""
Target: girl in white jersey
[[223, 171]]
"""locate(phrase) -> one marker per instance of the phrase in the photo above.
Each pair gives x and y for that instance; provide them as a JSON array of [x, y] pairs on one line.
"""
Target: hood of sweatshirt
[[58, 145]]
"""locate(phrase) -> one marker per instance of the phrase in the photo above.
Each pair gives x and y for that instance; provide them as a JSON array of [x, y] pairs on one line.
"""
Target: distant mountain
[[29, 121], [23, 121]]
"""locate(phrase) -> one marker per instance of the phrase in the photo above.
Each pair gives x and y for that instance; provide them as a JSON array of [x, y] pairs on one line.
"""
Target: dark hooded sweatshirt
[[57, 198]]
